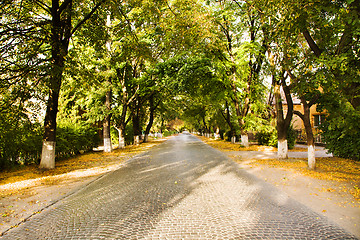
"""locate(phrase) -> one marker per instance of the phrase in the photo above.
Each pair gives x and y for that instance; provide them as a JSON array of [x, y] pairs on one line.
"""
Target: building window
[[318, 120]]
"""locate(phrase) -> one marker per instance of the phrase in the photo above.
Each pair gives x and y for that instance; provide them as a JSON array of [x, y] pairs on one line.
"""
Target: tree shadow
[[132, 201]]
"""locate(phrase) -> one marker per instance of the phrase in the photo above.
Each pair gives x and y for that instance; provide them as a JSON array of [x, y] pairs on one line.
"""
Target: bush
[[72, 139], [268, 137], [291, 137], [129, 134], [167, 133], [228, 136], [341, 134], [20, 141]]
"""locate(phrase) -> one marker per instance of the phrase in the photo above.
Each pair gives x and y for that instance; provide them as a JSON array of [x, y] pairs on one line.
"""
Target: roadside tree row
[[74, 70]]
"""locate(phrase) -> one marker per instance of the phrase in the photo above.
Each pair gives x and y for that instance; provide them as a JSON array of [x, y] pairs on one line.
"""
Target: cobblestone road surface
[[182, 189]]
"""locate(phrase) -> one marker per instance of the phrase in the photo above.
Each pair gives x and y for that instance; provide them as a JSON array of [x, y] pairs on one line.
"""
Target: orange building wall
[[298, 124]]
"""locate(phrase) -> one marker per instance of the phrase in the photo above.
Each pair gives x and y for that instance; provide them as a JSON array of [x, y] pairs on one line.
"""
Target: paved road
[[181, 189]]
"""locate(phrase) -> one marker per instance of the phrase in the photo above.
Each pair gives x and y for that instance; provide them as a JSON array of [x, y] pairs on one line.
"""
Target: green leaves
[[341, 134]]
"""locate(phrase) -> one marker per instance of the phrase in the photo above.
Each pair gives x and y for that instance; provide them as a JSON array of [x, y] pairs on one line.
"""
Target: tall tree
[[55, 23], [246, 43]]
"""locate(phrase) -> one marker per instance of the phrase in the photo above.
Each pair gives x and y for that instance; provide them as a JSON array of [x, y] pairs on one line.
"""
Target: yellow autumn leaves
[[330, 168]]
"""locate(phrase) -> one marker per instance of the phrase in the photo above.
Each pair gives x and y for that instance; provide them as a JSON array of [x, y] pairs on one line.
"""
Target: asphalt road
[[181, 189]]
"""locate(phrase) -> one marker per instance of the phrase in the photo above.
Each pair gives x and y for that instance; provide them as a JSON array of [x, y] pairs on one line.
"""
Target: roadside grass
[[329, 168], [81, 166]]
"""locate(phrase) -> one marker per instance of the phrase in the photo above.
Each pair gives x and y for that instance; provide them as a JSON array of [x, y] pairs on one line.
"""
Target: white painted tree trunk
[[48, 155], [136, 140], [233, 139], [245, 140], [107, 145], [216, 134], [282, 149], [311, 156], [121, 142], [146, 138], [121, 139]]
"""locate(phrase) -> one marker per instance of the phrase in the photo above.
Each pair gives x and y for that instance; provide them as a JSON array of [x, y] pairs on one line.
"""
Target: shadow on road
[[182, 187]]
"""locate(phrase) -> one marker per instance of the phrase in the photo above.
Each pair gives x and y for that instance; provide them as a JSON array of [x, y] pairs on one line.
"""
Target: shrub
[[268, 137], [73, 138], [167, 133], [341, 134], [20, 140], [129, 134]]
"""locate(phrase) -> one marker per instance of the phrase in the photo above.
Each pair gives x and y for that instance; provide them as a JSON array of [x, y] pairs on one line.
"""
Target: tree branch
[[64, 6], [167, 3], [133, 96], [312, 44], [86, 17], [314, 100], [43, 6], [129, 25], [289, 100], [347, 37], [237, 3], [298, 113]]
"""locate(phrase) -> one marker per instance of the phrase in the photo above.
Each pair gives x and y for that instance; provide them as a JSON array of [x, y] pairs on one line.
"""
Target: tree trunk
[[227, 118], [206, 128], [48, 155], [309, 133], [122, 122], [282, 140], [151, 118], [136, 125], [311, 157], [107, 137], [59, 50], [282, 149], [61, 32], [121, 128], [241, 114], [216, 134], [121, 138], [49, 140], [244, 139], [282, 124], [136, 140], [309, 138], [106, 123]]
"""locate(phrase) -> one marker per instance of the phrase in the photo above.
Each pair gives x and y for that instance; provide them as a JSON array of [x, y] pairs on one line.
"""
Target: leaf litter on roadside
[[329, 168], [85, 165]]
